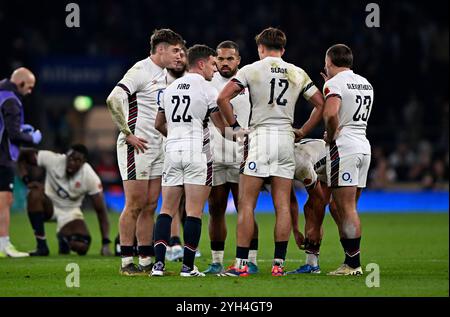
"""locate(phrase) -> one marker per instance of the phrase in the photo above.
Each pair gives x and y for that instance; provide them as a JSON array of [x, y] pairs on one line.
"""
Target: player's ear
[[238, 60], [282, 51]]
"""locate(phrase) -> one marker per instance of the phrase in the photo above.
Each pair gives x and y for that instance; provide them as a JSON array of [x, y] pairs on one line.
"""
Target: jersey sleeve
[[309, 89], [161, 107], [93, 182], [332, 89], [47, 158], [241, 77], [133, 80], [211, 97]]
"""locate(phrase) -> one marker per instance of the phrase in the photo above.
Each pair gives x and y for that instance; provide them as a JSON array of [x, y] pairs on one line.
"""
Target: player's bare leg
[[350, 227], [249, 188], [217, 227], [144, 226], [171, 197], [281, 195], [76, 235], [136, 200], [253, 252], [40, 209]]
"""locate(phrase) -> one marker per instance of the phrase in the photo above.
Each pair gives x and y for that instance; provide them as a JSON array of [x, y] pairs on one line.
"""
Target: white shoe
[[344, 269], [186, 272], [158, 269], [11, 252]]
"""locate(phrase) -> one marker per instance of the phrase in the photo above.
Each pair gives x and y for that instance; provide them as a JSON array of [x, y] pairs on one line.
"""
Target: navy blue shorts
[[6, 179]]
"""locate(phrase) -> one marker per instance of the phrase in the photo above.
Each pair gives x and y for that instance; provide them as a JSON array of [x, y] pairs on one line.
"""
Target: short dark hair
[[272, 38], [164, 36], [80, 148], [198, 52], [228, 44], [340, 55]]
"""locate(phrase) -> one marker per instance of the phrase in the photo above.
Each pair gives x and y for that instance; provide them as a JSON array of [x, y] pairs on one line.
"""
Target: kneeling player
[[68, 179], [310, 159]]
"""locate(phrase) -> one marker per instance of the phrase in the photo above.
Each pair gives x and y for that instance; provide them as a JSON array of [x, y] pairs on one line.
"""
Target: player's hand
[[299, 134], [239, 135], [324, 76], [139, 144], [299, 239], [26, 128], [36, 136], [105, 251]]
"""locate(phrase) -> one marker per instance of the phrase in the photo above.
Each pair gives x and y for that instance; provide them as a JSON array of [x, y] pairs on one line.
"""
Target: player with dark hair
[[68, 179], [133, 104], [186, 107], [349, 100], [274, 86], [227, 160]]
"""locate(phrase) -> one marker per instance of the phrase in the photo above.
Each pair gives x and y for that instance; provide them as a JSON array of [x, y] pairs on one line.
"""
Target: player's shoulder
[[88, 170], [48, 155]]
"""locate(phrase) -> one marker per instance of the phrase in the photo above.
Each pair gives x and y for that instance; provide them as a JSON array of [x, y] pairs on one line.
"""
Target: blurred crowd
[[406, 60]]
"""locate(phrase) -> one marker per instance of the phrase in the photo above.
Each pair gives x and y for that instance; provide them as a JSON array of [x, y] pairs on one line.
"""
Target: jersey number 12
[[282, 83]]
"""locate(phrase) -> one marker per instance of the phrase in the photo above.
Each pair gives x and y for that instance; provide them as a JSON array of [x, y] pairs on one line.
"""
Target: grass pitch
[[410, 249]]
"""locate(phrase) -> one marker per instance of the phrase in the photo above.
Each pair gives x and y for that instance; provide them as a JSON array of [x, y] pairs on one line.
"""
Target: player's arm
[[330, 116], [98, 202], [160, 122], [315, 117], [231, 90], [27, 158], [219, 122]]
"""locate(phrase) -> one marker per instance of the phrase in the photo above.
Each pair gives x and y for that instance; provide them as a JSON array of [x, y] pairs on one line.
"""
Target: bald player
[[13, 133]]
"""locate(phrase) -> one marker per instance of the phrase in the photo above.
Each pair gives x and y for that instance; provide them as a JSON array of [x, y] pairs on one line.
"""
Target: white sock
[[127, 260], [312, 259], [240, 263], [145, 261], [4, 241], [252, 256], [217, 256], [279, 262]]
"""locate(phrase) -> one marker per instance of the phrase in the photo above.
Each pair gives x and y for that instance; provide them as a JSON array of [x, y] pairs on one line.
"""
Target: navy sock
[[352, 253], [37, 223], [242, 252], [192, 232], [280, 250], [162, 236], [126, 250], [145, 250], [254, 244], [311, 247], [217, 245]]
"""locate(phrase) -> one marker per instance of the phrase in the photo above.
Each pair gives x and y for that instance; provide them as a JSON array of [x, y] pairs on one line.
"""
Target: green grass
[[410, 249]]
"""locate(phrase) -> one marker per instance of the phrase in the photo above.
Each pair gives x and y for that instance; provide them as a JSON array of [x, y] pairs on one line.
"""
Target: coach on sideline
[[13, 133]]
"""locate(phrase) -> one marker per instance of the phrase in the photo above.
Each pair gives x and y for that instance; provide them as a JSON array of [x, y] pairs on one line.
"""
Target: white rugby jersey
[[224, 150], [144, 84], [64, 192], [313, 151], [274, 86], [187, 104], [356, 94]]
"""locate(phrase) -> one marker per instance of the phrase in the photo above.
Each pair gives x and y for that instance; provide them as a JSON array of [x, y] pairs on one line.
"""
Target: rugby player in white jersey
[[349, 99], [310, 159], [68, 179], [133, 106], [274, 87], [183, 117], [227, 161]]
